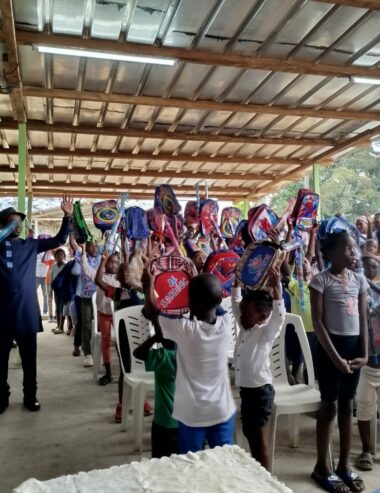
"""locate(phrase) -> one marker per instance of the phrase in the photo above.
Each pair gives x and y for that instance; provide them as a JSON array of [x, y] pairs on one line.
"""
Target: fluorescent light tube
[[364, 80], [103, 55]]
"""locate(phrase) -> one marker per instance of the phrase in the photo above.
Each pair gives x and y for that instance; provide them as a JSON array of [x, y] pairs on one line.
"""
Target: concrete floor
[[74, 431]]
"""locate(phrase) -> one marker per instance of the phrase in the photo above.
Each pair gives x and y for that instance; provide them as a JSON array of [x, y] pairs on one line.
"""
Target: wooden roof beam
[[106, 154], [60, 170], [243, 191], [342, 146], [101, 97], [201, 57], [38, 126], [57, 192]]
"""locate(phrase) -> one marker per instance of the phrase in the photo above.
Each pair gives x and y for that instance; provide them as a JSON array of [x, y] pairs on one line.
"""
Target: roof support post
[[21, 170]]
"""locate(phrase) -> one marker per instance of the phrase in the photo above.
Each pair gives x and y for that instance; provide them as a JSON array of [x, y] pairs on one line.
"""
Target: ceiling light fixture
[[103, 55], [364, 80]]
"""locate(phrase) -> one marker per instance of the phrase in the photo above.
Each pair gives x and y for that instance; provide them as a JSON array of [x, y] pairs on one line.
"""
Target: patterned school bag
[[81, 232], [105, 214], [151, 220], [261, 220], [223, 264], [209, 217], [172, 276], [229, 221], [306, 209], [165, 201], [191, 215], [254, 266], [241, 238]]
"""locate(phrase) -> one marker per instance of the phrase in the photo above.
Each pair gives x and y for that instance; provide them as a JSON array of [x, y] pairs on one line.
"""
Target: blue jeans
[[192, 439]]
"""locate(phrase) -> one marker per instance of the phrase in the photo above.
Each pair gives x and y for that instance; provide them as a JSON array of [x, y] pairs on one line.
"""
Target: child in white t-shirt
[[261, 317], [203, 402]]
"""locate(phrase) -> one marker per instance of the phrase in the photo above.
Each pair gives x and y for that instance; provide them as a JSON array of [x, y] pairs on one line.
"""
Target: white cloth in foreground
[[223, 469]]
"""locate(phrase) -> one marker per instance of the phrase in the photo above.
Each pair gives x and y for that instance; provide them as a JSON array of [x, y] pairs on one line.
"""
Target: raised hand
[[67, 205]]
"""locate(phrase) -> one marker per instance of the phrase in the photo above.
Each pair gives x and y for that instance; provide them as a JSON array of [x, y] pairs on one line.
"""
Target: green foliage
[[350, 186]]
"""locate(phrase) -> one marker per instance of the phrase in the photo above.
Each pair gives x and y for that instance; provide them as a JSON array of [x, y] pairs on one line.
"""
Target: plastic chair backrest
[[277, 356], [138, 330], [227, 306], [95, 327]]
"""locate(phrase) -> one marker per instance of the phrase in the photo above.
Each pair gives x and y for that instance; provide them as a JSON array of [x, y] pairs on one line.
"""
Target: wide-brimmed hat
[[8, 212]]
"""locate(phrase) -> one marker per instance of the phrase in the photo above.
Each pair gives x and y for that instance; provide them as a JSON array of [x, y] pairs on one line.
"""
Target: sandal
[[364, 462], [351, 479], [331, 483], [105, 379]]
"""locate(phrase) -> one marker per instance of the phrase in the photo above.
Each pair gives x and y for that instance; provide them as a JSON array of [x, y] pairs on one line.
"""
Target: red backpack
[[306, 209], [229, 221], [172, 276], [223, 264], [261, 220]]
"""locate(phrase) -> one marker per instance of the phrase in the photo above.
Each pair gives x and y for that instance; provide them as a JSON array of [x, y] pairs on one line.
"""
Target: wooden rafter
[[361, 4], [36, 125], [141, 187], [199, 57], [345, 145], [106, 154], [11, 191], [102, 97], [161, 175]]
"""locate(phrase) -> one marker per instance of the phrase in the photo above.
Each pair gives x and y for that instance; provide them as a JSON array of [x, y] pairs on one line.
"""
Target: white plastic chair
[[96, 342], [137, 382], [292, 400], [373, 430], [227, 306]]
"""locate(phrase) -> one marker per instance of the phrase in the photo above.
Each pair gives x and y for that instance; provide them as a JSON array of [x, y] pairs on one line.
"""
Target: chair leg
[[331, 458], [138, 416], [294, 430], [373, 432], [127, 394], [272, 438]]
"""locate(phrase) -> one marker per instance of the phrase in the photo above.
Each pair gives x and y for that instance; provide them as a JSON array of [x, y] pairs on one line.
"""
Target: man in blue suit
[[20, 318]]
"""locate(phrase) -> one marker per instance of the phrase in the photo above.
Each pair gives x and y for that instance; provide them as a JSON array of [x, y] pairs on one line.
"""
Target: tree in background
[[350, 186]]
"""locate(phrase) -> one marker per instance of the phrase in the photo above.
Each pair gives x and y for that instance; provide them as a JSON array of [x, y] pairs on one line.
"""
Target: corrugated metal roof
[[274, 147]]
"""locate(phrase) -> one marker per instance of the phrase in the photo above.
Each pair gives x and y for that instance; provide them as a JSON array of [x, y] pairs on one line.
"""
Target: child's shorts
[[165, 441], [256, 407], [333, 384], [368, 393]]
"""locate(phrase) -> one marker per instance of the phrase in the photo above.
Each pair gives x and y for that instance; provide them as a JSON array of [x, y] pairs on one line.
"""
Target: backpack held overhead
[[172, 276], [223, 263], [253, 268], [229, 221], [306, 209], [105, 214], [81, 232]]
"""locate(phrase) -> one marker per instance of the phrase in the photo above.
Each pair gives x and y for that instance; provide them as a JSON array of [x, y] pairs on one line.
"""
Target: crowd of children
[[334, 285]]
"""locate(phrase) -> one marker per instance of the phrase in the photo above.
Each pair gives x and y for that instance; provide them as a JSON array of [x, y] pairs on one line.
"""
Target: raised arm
[[100, 273], [310, 253], [142, 351], [87, 269], [65, 229]]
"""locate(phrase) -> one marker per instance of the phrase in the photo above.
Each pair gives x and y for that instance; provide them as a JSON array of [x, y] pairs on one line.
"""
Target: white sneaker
[[88, 361]]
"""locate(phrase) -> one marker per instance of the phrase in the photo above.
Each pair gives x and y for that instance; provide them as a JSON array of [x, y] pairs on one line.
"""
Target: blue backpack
[[65, 284], [135, 223]]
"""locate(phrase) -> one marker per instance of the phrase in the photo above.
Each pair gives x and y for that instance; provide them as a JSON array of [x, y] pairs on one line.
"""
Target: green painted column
[[22, 157]]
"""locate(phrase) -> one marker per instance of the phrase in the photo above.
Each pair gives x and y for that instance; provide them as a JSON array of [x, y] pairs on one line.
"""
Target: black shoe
[[3, 405], [32, 405], [105, 379]]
